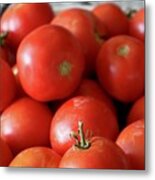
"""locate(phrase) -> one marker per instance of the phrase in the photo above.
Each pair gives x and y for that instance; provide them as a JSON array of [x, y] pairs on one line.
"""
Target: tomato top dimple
[[123, 50], [65, 68]]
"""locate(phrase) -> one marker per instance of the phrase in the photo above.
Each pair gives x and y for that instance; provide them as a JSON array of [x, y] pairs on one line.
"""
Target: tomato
[[113, 18], [36, 157], [5, 154], [75, 20], [137, 25], [7, 85], [20, 90], [131, 140], [50, 63], [91, 88], [120, 68], [20, 19], [26, 123], [95, 114], [96, 153], [137, 111]]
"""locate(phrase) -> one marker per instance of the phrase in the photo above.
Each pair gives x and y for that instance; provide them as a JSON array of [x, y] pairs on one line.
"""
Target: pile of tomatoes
[[72, 87]]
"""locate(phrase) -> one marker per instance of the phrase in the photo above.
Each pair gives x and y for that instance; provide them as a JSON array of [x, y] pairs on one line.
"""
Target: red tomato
[[137, 111], [113, 18], [91, 88], [36, 157], [7, 85], [25, 123], [120, 68], [96, 153], [90, 37], [96, 116], [50, 63], [131, 140], [137, 25], [20, 19], [6, 155], [20, 90]]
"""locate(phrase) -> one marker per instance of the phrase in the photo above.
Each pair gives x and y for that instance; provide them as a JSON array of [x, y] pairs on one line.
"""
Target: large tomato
[[36, 157], [97, 153], [137, 25], [6, 155], [90, 37], [26, 123], [20, 19], [7, 85], [113, 18], [95, 114], [137, 111], [120, 67], [50, 63], [89, 87], [131, 140]]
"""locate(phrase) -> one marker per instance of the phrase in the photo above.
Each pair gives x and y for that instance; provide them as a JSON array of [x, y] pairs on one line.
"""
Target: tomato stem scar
[[65, 68], [123, 50]]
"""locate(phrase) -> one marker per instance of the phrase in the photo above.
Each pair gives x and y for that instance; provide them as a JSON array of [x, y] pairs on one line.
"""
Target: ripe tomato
[[36, 157], [20, 19], [120, 67], [97, 153], [137, 111], [137, 25], [50, 63], [6, 155], [75, 20], [131, 140], [7, 85], [20, 90], [91, 88], [113, 18], [95, 114], [25, 123]]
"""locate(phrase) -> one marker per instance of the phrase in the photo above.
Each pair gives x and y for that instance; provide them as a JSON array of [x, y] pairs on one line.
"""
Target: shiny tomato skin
[[131, 140], [113, 18], [7, 85], [74, 20], [52, 57], [6, 155], [25, 123], [89, 87], [137, 111], [120, 68], [95, 114], [102, 154], [137, 25], [36, 157], [22, 18]]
